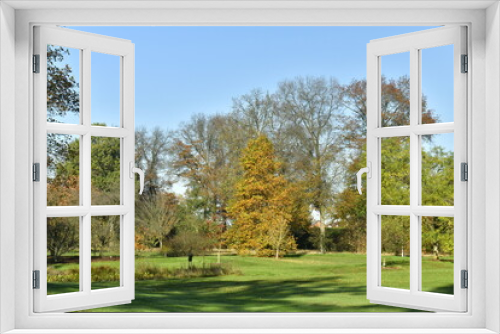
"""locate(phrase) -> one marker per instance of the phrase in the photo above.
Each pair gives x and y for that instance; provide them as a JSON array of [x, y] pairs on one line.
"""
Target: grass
[[303, 283]]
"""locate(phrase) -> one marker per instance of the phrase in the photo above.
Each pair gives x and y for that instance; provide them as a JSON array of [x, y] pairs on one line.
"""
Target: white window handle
[[139, 171], [368, 171]]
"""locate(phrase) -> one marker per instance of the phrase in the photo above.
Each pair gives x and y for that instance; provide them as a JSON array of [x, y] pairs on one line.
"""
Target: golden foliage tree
[[263, 205]]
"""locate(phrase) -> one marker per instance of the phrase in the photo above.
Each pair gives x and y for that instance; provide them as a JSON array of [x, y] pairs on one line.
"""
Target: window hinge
[[36, 63], [36, 279], [464, 171], [465, 279], [465, 64], [36, 172]]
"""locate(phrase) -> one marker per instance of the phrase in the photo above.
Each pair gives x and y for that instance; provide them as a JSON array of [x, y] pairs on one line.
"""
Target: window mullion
[[86, 175], [414, 170]]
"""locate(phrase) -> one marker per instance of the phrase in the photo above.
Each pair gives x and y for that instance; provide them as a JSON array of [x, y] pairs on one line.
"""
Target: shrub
[[147, 271], [143, 272]]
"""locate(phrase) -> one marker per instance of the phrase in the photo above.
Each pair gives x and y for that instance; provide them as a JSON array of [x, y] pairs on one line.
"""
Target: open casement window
[[83, 162], [416, 200]]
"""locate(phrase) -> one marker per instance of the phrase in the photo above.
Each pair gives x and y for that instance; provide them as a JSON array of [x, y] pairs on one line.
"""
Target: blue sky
[[181, 71]]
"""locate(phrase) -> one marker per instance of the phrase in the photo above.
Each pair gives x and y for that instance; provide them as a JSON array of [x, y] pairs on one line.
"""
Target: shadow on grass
[[323, 294], [448, 289]]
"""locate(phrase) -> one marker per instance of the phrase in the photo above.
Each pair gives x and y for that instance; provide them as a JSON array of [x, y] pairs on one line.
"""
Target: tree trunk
[[218, 253], [322, 233], [436, 251]]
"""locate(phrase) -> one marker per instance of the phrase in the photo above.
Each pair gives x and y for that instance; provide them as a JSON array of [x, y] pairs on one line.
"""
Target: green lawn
[[307, 283]]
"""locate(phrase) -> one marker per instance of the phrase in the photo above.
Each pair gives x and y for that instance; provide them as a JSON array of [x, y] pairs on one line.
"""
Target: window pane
[[395, 171], [437, 170], [395, 99], [105, 89], [105, 252], [63, 260], [105, 171], [395, 252], [63, 85], [63, 170], [437, 254], [437, 84]]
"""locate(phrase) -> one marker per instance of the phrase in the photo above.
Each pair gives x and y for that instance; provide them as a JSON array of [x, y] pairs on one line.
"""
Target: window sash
[[414, 298], [86, 298]]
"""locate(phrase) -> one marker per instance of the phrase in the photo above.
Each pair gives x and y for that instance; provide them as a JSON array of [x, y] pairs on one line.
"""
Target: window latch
[[368, 171], [139, 171]]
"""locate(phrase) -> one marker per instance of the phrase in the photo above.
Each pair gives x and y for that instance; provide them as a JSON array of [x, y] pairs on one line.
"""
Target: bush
[[147, 271], [63, 276], [143, 272]]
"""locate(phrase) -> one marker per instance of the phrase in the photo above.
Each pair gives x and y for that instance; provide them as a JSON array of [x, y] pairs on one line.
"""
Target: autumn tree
[[261, 209]]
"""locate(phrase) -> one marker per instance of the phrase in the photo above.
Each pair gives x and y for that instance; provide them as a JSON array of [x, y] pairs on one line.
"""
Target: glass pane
[[105, 90], [105, 252], [437, 254], [63, 85], [437, 84], [395, 171], [63, 170], [395, 252], [105, 171], [395, 99], [437, 170], [63, 260]]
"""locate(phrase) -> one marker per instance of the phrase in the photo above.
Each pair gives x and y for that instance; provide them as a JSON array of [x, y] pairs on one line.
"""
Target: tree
[[190, 244], [156, 218], [63, 97], [311, 109], [205, 155], [62, 236], [152, 154], [63, 94], [261, 209], [105, 164], [437, 174], [105, 232], [350, 207], [437, 235]]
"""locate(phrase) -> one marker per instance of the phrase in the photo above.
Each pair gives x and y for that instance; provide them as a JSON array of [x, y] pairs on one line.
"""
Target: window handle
[[368, 171], [141, 175]]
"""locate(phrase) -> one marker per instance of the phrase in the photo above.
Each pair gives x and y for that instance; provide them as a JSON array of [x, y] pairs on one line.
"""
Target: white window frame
[[484, 149]]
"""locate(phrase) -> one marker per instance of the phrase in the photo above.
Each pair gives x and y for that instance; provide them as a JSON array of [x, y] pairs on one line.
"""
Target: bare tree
[[205, 154], [311, 109], [152, 152], [157, 217]]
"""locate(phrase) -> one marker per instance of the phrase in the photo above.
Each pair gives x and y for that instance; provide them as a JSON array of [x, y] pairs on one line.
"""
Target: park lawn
[[306, 283]]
